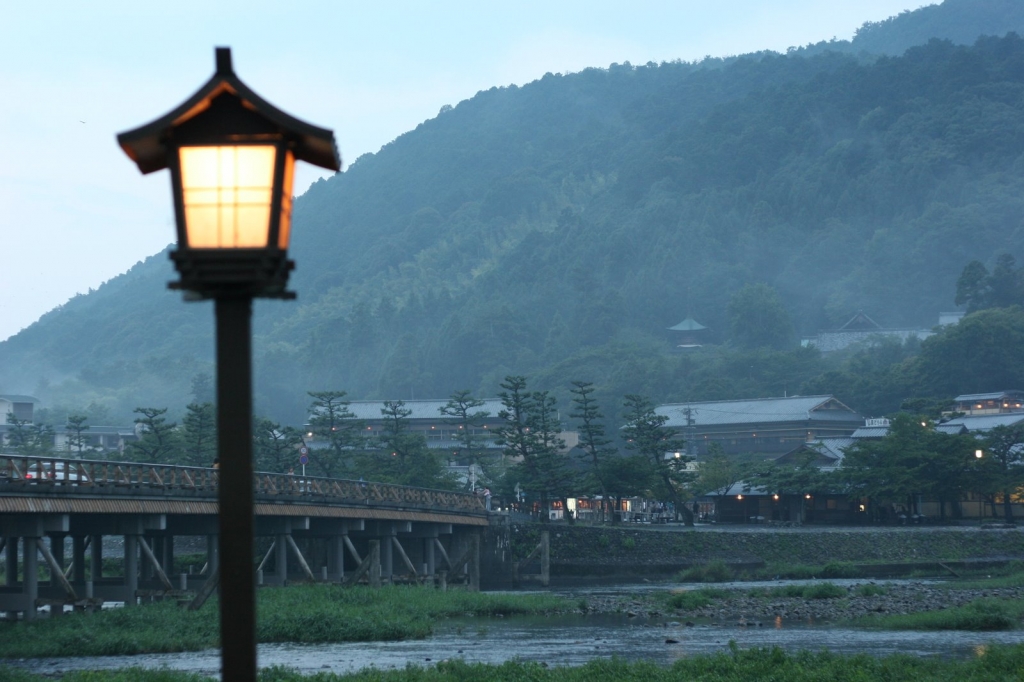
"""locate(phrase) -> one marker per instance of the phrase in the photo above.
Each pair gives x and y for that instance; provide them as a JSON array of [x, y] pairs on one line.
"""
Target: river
[[561, 640]]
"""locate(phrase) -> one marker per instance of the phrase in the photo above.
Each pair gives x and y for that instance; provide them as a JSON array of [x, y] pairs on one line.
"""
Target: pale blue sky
[[74, 211]]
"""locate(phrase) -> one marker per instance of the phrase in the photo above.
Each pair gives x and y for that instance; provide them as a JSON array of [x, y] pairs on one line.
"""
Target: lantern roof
[[148, 145]]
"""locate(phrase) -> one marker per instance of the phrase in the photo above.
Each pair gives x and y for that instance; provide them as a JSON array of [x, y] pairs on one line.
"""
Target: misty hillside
[[558, 228]]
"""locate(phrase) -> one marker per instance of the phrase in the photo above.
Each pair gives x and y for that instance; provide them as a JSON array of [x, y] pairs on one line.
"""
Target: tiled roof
[[870, 432], [984, 422], [421, 409], [759, 411], [971, 397]]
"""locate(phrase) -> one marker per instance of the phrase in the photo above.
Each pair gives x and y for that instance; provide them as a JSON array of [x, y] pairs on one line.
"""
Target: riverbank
[[305, 614], [631, 553], [985, 602], [991, 663]]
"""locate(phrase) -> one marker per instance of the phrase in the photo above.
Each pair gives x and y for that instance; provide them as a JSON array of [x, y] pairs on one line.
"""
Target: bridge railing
[[36, 473]]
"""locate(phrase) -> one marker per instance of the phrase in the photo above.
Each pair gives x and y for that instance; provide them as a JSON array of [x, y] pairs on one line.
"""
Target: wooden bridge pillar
[[212, 562], [281, 559], [131, 569], [96, 558], [335, 558], [30, 577], [78, 561], [386, 552], [11, 561]]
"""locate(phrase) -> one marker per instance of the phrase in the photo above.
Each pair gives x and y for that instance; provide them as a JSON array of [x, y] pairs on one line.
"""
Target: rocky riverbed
[[753, 606]]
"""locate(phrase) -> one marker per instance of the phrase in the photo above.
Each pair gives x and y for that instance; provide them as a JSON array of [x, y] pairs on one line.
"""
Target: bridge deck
[[68, 486]]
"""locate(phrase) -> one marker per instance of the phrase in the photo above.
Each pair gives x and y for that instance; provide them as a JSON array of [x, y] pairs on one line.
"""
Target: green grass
[[713, 572], [1010, 575], [305, 614], [980, 615], [833, 569], [870, 590], [992, 663], [692, 600], [815, 591]]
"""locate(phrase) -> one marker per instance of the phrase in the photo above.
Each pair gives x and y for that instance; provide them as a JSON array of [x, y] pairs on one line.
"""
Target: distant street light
[[232, 157], [979, 454]]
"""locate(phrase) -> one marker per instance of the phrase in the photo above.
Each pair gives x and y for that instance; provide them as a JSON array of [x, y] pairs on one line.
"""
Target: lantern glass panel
[[227, 192], [286, 201]]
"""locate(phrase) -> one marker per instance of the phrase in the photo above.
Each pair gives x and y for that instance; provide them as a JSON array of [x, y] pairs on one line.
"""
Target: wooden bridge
[[359, 531]]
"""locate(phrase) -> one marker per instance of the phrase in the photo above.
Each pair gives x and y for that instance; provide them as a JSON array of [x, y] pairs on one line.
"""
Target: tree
[[979, 354], [461, 407], [758, 319], [792, 482], [331, 422], [646, 435], [76, 428], [157, 442], [401, 456], [275, 447], [912, 459], [28, 439], [199, 437], [718, 473], [1003, 463], [1003, 287], [202, 389], [550, 473], [596, 447], [520, 437]]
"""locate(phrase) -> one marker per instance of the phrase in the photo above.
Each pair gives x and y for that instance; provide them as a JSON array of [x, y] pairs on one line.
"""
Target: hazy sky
[[74, 211]]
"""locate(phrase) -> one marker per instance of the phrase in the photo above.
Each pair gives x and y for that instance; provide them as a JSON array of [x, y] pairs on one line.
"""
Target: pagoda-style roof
[[688, 325], [148, 145]]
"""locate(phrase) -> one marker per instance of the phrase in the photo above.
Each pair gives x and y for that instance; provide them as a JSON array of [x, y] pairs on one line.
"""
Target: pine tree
[[157, 441], [199, 439], [331, 422], [647, 436], [593, 442]]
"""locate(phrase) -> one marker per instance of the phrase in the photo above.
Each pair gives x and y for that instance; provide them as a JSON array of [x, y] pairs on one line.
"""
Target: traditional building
[[769, 426], [861, 328], [440, 431], [1000, 402], [21, 406]]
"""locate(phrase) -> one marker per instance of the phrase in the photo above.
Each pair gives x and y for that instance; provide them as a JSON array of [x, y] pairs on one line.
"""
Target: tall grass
[[301, 613], [815, 591], [980, 615]]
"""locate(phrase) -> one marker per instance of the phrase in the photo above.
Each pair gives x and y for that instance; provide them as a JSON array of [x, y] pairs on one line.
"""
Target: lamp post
[[232, 157]]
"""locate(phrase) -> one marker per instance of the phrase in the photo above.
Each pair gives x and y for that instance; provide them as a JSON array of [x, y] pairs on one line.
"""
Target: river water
[[561, 640]]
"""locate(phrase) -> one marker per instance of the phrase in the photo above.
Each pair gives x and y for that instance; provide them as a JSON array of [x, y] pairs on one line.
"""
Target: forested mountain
[[557, 229], [959, 21]]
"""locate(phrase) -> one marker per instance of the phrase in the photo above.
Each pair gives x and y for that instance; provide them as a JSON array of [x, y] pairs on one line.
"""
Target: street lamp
[[232, 157]]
